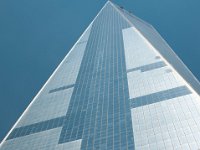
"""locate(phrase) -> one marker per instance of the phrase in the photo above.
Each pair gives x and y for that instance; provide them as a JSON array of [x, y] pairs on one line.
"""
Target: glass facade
[[116, 89]]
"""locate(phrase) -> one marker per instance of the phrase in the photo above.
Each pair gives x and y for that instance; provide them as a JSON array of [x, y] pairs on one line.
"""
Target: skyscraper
[[120, 87]]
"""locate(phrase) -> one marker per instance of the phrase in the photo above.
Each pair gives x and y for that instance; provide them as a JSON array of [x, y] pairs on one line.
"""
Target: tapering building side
[[120, 87]]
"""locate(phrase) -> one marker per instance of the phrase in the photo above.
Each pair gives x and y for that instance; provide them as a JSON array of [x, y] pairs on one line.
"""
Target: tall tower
[[121, 87]]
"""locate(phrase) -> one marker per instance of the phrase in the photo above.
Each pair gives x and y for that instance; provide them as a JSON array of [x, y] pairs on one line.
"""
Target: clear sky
[[35, 35]]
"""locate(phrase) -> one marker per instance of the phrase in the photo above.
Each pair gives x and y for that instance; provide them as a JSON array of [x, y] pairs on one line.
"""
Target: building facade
[[121, 87]]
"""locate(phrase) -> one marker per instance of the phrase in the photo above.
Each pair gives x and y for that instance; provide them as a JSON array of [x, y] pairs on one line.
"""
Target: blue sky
[[36, 35]]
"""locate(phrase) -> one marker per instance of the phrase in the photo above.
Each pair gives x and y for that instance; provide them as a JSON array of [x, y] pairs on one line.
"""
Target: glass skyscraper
[[121, 87]]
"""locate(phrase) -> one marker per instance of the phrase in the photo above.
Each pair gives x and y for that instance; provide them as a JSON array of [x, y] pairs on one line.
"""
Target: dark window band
[[159, 96], [148, 67], [61, 88], [36, 127]]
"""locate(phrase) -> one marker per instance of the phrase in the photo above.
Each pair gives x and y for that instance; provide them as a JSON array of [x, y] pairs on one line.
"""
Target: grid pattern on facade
[[55, 104], [148, 82], [47, 106], [99, 111], [154, 38], [46, 140], [73, 145], [170, 124]]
